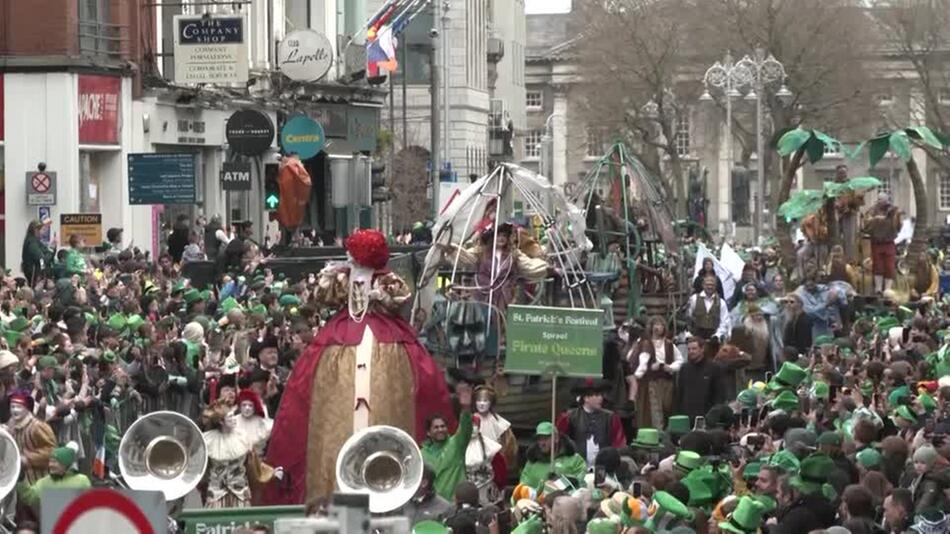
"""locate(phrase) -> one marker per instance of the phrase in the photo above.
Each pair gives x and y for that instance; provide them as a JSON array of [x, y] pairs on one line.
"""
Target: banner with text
[[210, 49], [566, 341], [99, 109]]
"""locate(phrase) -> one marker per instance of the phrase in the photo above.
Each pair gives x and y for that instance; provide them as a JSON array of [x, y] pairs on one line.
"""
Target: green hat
[[785, 401], [701, 484], [820, 390], [259, 309], [824, 340], [687, 460], [830, 438], [647, 438], [193, 295], [228, 304], [927, 402], [116, 322], [813, 473], [91, 319], [905, 412], [748, 398], [886, 323], [65, 456], [178, 287], [786, 460], [746, 518], [751, 470], [897, 395], [668, 508], [869, 457], [544, 428], [678, 425], [429, 527], [46, 362], [289, 299], [19, 324], [108, 356], [134, 322], [602, 525], [789, 376]]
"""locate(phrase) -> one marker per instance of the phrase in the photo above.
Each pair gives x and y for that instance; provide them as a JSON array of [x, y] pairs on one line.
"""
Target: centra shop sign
[[303, 136]]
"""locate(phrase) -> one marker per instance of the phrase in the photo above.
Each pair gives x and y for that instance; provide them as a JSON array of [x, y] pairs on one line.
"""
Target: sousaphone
[[163, 451], [9, 463], [381, 461]]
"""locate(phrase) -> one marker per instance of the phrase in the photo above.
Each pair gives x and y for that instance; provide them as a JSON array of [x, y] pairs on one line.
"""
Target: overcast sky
[[547, 6]]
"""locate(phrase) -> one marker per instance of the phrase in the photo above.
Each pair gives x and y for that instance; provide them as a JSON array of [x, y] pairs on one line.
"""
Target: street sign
[[249, 132], [302, 135], [208, 521], [86, 225], [103, 510], [565, 341], [162, 178], [236, 176], [40, 188], [272, 201]]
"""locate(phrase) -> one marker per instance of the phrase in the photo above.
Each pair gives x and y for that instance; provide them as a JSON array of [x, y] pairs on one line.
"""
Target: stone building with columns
[[559, 142]]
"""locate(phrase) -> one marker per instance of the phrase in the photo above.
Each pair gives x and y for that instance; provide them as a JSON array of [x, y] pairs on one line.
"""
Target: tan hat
[[7, 359]]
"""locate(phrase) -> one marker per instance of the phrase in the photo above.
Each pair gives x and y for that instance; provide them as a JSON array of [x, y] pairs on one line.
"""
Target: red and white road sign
[[103, 510]]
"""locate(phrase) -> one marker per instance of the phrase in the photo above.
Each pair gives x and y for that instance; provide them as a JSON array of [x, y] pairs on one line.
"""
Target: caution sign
[[86, 225], [41, 188], [64, 511]]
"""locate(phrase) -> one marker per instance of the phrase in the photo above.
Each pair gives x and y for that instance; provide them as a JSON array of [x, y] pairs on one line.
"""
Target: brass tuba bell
[[163, 451], [9, 463], [382, 461]]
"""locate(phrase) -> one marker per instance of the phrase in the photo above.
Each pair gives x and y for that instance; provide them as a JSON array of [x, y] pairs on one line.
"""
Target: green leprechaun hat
[[665, 511], [687, 461], [746, 518], [430, 527], [647, 438], [785, 401], [813, 473], [789, 376], [603, 525], [748, 398], [678, 425]]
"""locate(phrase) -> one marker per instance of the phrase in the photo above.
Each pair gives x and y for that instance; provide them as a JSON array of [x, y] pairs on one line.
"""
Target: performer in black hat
[[589, 426]]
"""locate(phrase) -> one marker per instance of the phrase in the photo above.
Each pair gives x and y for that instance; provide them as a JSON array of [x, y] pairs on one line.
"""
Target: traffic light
[[271, 189]]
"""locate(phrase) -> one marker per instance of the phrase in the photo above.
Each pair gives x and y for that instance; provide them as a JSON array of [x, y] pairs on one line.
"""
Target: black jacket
[[808, 513], [797, 333], [697, 388]]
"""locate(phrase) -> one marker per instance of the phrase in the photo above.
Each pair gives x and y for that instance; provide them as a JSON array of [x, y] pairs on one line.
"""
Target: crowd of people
[[786, 402]]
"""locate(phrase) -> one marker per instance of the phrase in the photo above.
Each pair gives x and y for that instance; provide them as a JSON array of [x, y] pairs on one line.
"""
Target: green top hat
[[687, 460], [927, 402], [602, 525], [746, 518], [193, 295], [429, 527], [789, 376], [830, 438], [116, 322], [785, 401], [751, 470], [748, 398], [19, 324], [701, 484], [898, 395], [820, 390], [786, 460], [178, 287], [544, 428], [647, 438], [134, 322], [869, 458], [813, 473], [905, 412], [228, 304], [667, 508], [259, 309], [289, 300], [823, 340], [678, 425], [108, 356], [46, 362]]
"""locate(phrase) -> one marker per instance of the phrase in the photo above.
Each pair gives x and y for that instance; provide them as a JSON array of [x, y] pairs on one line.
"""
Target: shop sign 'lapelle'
[[303, 136]]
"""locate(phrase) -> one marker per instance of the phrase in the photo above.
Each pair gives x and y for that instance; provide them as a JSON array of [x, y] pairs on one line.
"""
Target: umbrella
[[801, 204]]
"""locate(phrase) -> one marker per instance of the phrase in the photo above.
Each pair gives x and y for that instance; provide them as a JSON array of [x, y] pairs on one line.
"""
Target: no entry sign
[[103, 510], [41, 188]]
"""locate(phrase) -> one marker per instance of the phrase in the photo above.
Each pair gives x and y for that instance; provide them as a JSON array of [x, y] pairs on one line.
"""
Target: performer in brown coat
[[883, 222], [656, 361], [34, 438]]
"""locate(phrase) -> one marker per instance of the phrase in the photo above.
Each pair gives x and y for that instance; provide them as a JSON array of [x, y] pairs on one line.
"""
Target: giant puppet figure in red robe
[[365, 367]]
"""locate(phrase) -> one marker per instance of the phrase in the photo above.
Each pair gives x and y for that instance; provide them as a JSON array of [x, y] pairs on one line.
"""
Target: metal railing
[[101, 39]]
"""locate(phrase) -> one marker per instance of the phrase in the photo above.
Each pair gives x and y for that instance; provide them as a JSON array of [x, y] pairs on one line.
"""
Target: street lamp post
[[546, 166], [758, 73]]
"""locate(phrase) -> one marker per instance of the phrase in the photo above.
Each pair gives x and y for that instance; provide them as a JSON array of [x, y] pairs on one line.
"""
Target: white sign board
[[305, 55], [210, 49]]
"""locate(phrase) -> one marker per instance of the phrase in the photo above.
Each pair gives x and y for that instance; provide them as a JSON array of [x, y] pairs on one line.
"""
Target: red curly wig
[[368, 248]]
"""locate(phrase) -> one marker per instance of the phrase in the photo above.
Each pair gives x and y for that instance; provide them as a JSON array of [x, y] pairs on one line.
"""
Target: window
[[596, 142], [888, 178], [532, 145], [943, 97], [944, 191], [97, 36], [413, 51], [533, 99], [884, 98], [681, 137]]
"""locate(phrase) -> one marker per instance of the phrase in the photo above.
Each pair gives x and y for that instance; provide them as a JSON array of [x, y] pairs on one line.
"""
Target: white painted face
[[483, 406], [17, 411], [229, 422], [247, 409]]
